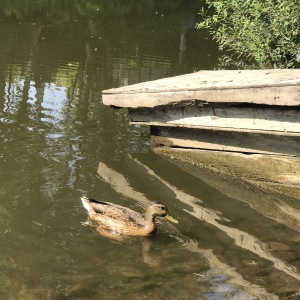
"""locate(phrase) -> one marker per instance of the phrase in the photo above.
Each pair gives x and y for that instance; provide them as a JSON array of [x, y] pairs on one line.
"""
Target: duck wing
[[116, 217]]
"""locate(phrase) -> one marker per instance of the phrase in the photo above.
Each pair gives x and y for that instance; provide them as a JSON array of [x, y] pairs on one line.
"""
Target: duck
[[125, 221]]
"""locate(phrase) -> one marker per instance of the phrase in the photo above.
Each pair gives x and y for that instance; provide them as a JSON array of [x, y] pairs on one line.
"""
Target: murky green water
[[59, 142]]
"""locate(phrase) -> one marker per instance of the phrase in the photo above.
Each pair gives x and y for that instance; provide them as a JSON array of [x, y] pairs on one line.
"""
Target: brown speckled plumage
[[123, 220]]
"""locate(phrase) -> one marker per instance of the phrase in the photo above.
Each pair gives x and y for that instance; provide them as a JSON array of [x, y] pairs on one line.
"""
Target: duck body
[[123, 220]]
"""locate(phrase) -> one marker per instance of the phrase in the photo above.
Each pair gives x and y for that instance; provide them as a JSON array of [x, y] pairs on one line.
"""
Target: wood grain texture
[[239, 118], [270, 87], [242, 142]]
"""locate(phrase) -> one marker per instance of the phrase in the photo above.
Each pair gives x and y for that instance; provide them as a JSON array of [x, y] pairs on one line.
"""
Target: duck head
[[158, 209]]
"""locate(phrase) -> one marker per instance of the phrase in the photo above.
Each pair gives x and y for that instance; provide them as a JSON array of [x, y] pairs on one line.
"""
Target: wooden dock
[[251, 111]]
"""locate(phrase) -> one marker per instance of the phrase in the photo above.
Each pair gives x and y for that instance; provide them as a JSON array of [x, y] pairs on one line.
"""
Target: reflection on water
[[58, 142], [241, 239]]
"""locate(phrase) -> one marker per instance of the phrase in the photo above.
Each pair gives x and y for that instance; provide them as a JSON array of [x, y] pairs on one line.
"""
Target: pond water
[[58, 142]]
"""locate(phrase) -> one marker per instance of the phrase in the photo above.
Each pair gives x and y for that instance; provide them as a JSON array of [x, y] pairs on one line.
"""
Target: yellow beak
[[170, 218]]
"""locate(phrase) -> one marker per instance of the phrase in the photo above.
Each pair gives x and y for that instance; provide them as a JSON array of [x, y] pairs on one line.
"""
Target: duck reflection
[[151, 258]]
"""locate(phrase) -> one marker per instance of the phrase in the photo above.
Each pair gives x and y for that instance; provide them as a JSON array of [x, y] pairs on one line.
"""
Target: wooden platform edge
[[270, 87], [279, 96]]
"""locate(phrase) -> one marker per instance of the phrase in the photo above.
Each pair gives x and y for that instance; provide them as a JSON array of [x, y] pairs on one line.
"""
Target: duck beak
[[170, 218]]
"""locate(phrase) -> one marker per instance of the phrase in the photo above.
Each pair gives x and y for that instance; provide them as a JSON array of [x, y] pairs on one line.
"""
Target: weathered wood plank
[[250, 118], [213, 130], [226, 141], [270, 87]]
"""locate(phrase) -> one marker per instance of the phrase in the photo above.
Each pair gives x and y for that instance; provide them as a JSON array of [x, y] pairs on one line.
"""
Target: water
[[59, 142]]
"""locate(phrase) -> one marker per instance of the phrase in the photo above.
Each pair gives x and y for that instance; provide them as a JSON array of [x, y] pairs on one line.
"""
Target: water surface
[[59, 142]]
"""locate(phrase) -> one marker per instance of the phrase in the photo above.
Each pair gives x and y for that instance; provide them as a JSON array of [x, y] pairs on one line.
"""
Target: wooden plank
[[283, 96], [240, 118], [213, 130], [271, 87], [226, 141]]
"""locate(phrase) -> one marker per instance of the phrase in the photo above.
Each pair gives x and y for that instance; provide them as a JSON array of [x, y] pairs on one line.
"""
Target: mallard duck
[[123, 220]]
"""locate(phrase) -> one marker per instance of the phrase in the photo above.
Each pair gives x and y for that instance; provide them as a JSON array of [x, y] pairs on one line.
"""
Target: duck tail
[[86, 203]]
